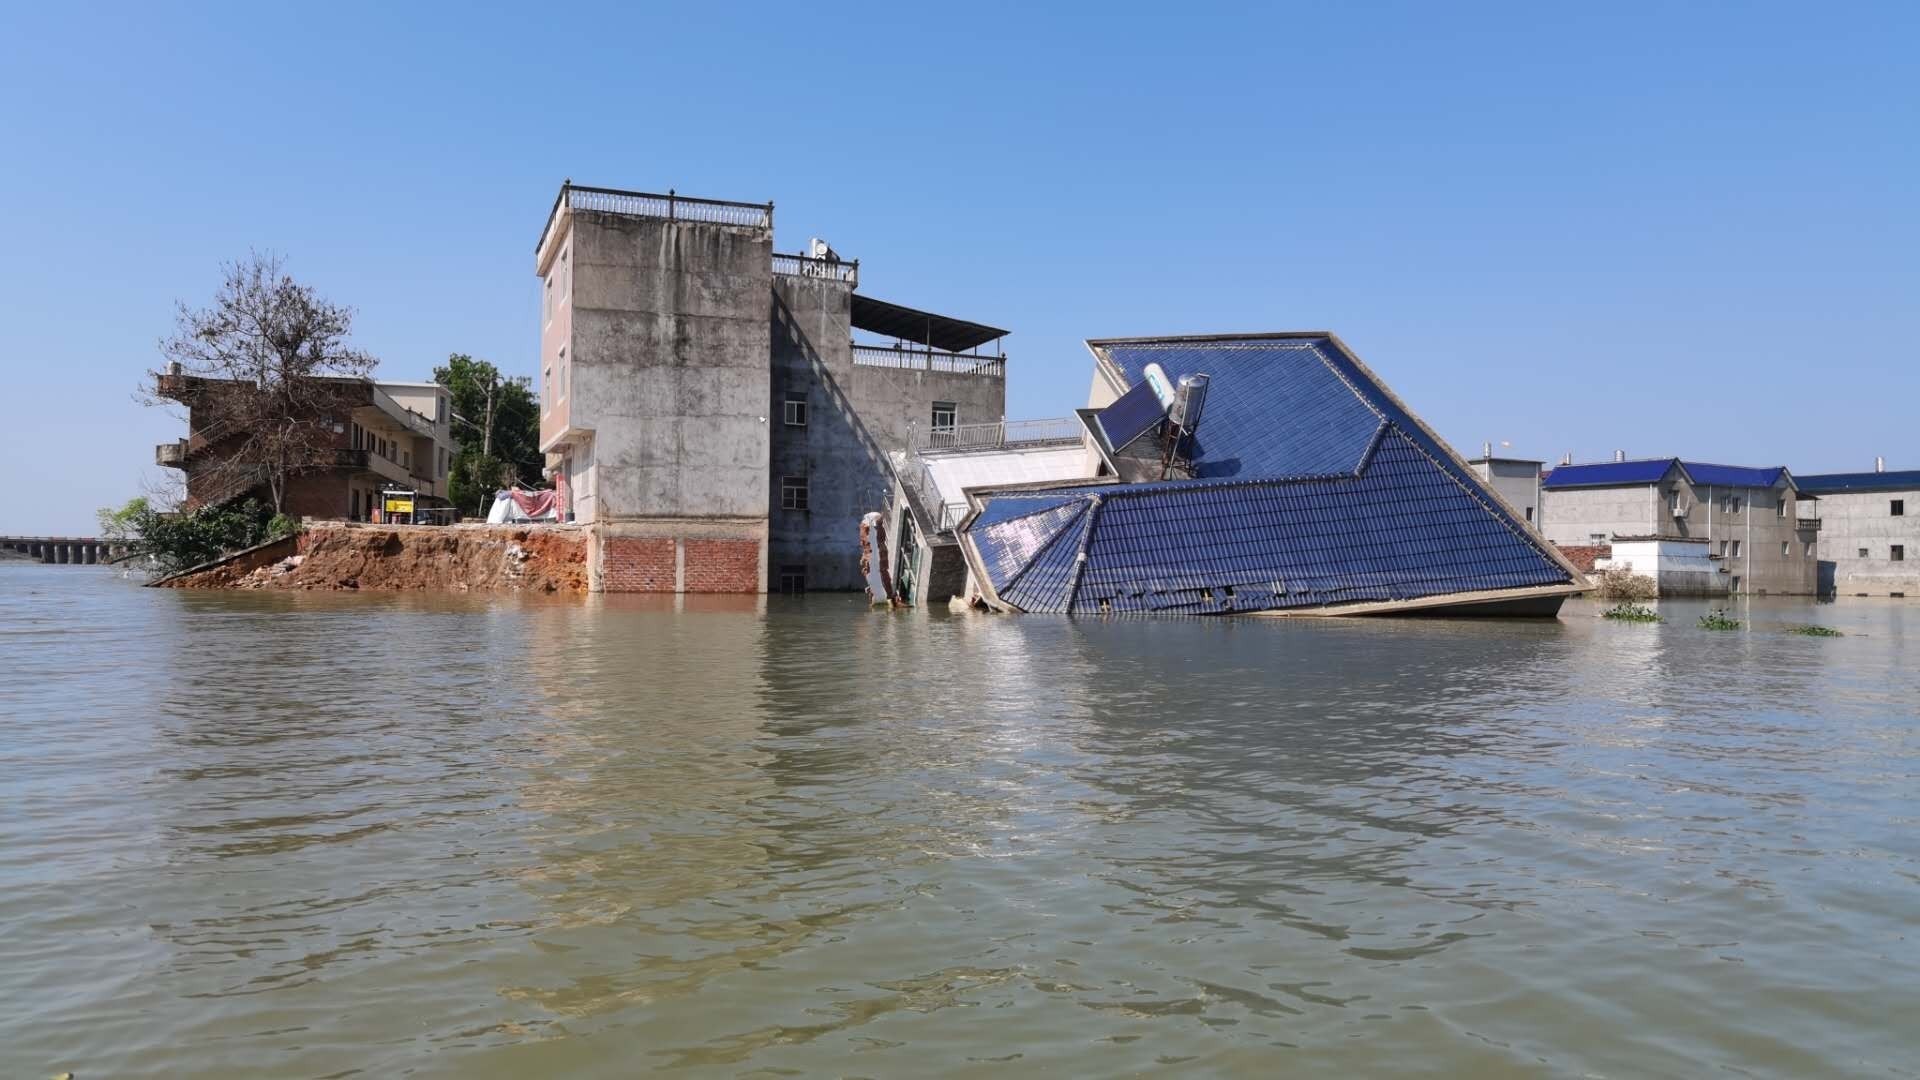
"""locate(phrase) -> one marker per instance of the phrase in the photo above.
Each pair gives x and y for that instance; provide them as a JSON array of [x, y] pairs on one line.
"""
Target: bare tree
[[271, 363]]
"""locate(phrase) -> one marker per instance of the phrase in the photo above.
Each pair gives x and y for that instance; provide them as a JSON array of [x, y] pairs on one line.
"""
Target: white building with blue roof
[[1756, 525], [1869, 531]]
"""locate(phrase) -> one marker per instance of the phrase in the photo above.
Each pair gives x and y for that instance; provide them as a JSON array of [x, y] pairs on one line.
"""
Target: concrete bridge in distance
[[65, 550]]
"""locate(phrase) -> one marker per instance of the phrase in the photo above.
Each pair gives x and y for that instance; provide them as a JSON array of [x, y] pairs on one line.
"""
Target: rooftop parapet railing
[[993, 367], [810, 267], [1000, 435], [671, 206]]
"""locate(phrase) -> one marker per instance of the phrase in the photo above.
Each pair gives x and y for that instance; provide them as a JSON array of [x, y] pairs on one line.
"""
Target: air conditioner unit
[[1680, 509]]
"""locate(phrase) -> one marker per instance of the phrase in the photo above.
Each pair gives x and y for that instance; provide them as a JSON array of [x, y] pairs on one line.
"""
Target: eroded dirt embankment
[[457, 558]]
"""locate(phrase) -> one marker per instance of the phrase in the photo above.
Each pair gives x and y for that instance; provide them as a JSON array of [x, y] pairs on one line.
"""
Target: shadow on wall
[[843, 463]]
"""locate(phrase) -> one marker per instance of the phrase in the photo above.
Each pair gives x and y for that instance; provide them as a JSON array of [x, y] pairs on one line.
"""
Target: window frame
[[1897, 508], [1897, 553], [952, 411], [795, 493], [788, 412]]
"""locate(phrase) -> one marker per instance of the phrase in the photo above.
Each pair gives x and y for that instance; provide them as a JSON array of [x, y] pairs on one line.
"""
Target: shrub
[[1718, 620], [176, 541], [1620, 583], [1631, 613], [1815, 631]]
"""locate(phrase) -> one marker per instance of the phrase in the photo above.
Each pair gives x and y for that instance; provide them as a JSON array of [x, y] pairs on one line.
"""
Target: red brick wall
[[318, 495], [723, 566], [636, 564], [1582, 556]]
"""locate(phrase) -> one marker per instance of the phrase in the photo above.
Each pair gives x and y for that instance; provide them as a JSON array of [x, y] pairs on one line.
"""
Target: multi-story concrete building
[[1869, 532], [364, 438], [705, 405], [1516, 480], [1758, 526]]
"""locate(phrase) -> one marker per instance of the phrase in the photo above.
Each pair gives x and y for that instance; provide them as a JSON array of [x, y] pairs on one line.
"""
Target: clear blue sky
[[1687, 229]]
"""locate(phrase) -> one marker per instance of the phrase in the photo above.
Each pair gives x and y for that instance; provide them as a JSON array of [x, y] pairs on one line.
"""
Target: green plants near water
[[1632, 613], [1815, 631], [1719, 620]]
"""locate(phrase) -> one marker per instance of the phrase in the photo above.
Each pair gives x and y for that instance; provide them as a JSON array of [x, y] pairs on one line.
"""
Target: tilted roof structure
[[1311, 489]]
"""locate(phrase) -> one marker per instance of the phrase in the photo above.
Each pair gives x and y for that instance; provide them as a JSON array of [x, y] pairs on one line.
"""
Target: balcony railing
[[1810, 524], [670, 207], [1004, 434], [993, 367], [809, 267]]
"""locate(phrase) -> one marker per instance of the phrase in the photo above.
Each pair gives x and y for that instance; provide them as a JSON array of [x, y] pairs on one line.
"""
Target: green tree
[[176, 541], [496, 425]]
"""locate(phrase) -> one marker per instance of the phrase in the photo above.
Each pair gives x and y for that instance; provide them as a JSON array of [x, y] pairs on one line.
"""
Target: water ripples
[[323, 836]]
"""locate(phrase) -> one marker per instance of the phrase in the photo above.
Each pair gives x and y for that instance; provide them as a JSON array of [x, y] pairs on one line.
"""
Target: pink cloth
[[533, 504]]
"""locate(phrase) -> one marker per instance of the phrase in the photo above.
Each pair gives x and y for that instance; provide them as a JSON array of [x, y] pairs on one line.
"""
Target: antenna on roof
[[1619, 455]]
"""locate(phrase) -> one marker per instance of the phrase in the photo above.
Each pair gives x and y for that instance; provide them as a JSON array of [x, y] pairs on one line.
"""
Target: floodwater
[[332, 835]]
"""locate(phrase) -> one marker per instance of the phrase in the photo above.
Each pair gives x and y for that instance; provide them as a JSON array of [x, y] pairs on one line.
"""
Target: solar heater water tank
[[1189, 401], [1156, 377]]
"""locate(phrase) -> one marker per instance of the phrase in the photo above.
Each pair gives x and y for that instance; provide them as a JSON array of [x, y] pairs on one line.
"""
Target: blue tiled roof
[[1315, 487], [1609, 473], [1652, 470], [1274, 408], [1827, 483], [1732, 475]]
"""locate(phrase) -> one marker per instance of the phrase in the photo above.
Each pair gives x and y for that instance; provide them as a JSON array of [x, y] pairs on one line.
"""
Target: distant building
[[1869, 532], [1303, 487], [704, 404], [374, 436], [1760, 530], [1517, 480]]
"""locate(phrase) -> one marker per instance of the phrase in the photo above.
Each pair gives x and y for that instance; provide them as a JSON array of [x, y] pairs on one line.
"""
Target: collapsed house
[[1257, 473]]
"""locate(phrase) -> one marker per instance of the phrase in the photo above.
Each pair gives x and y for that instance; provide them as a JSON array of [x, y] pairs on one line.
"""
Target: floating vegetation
[[1718, 620], [1815, 631], [1631, 613]]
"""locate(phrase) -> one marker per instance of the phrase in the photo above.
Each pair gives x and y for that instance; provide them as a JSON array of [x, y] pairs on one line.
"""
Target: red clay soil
[[458, 558]]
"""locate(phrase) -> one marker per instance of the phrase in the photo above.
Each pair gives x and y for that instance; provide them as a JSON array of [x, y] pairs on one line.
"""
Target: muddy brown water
[[335, 835]]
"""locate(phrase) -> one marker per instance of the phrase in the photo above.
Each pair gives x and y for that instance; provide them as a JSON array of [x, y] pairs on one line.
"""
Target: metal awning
[[921, 327]]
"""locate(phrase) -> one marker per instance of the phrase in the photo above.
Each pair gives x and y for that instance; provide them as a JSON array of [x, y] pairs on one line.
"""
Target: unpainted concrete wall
[[810, 327], [669, 353], [1579, 515], [1852, 521]]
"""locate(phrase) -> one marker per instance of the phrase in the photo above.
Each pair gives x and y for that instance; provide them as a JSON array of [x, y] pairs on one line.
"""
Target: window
[[1780, 507], [1723, 549], [1736, 549], [546, 390], [1738, 505], [1898, 508], [793, 579], [1899, 553], [1786, 547], [793, 493], [945, 415], [566, 373], [1736, 584], [793, 411], [1863, 553], [439, 408], [549, 309], [355, 515], [566, 278], [1809, 549], [1529, 513]]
